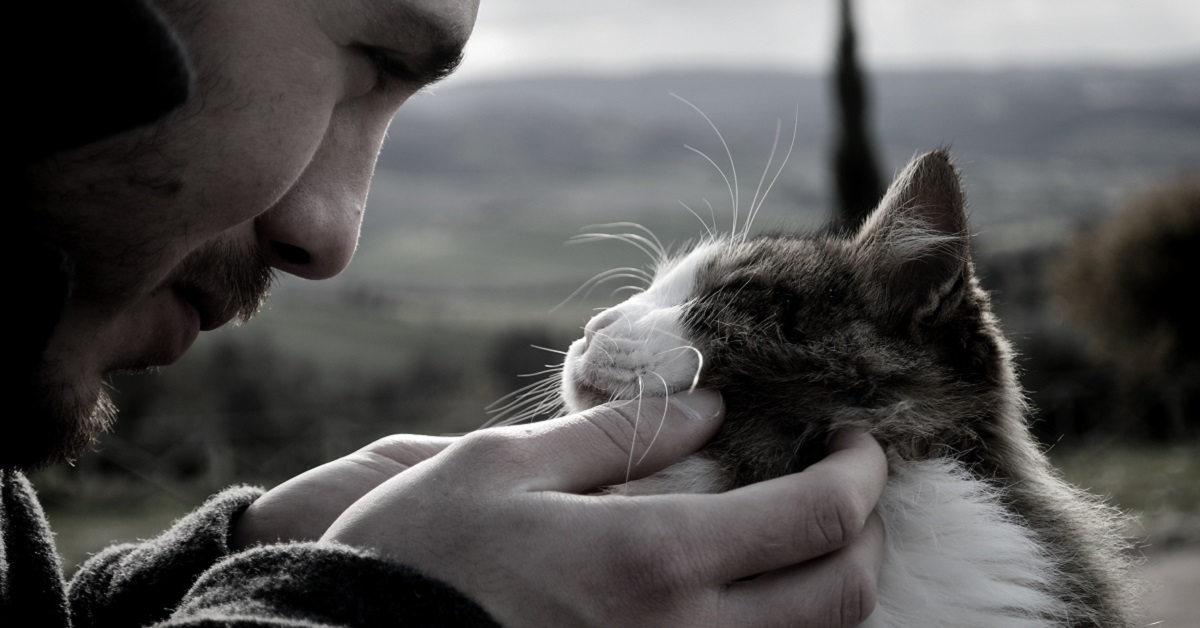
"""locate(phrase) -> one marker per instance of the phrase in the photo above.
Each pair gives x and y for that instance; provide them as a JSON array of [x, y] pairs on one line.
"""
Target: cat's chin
[[578, 396]]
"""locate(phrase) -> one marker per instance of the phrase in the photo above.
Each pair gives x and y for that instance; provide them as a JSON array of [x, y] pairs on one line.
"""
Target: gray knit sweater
[[188, 576]]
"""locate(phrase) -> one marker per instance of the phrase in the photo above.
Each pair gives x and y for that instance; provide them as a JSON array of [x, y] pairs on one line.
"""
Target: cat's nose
[[599, 322]]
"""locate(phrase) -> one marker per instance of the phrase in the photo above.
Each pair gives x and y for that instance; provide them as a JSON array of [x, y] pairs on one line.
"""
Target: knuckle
[[655, 561], [491, 448], [375, 462], [394, 447], [836, 516], [657, 568], [387, 442], [851, 584], [618, 426], [857, 586]]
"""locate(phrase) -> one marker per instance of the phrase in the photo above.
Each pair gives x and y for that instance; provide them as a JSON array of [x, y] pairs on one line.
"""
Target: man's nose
[[313, 230]]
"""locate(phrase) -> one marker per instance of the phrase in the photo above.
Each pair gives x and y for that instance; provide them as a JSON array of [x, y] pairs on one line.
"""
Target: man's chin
[[58, 429]]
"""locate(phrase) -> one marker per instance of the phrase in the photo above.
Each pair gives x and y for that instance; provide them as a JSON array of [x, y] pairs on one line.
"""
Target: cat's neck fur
[[1083, 532]]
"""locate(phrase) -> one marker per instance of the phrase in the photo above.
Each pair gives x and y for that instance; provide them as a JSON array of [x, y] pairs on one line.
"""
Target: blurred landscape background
[[1083, 181]]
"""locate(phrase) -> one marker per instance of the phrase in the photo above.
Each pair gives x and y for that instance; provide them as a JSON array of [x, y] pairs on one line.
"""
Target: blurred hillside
[[1067, 142]]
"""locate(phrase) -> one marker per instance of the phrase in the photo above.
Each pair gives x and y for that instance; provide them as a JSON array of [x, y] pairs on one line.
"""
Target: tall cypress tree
[[856, 177]]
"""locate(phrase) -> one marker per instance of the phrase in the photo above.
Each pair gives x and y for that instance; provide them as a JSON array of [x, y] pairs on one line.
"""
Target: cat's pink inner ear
[[916, 241]]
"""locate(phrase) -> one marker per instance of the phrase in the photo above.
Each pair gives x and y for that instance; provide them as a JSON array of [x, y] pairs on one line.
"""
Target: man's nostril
[[292, 254]]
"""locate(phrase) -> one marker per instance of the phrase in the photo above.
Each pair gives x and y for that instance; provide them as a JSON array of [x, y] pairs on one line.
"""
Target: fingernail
[[699, 405]]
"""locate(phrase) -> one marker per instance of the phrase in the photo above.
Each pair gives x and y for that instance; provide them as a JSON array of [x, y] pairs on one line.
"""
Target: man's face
[[176, 228]]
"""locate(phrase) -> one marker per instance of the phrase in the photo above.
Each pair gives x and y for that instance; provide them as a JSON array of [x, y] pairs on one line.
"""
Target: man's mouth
[[214, 310], [222, 281]]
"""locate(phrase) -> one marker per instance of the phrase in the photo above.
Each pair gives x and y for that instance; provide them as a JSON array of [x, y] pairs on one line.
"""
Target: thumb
[[624, 440]]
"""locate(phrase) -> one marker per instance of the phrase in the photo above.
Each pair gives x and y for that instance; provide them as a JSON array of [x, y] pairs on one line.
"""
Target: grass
[[1149, 479], [1159, 485]]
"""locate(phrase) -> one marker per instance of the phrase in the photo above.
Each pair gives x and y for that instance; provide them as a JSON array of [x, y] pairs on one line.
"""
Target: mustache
[[237, 274]]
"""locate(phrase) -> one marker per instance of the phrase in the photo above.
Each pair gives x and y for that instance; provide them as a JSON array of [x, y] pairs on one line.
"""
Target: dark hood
[[79, 71]]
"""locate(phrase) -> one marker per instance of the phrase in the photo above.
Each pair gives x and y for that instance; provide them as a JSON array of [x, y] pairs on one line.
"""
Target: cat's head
[[886, 329]]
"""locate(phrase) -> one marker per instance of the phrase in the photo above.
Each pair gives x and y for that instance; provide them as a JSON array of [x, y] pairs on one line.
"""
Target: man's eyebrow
[[438, 49]]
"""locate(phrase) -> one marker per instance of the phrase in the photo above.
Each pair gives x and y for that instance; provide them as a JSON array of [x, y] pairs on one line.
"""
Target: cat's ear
[[914, 246]]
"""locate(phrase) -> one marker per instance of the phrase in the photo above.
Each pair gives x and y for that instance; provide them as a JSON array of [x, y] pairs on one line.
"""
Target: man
[[186, 151]]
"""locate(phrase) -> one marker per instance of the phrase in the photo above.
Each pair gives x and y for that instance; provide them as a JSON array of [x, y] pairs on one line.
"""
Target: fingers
[[605, 445], [350, 477], [788, 520], [835, 590], [404, 450], [303, 507], [630, 440], [492, 515]]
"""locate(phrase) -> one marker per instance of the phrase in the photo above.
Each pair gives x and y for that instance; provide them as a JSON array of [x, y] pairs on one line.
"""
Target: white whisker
[[550, 368], [637, 419], [599, 278], [713, 213], [621, 403], [732, 194], [658, 245], [625, 317], [707, 229], [767, 168], [526, 400], [754, 209], [699, 359], [733, 187], [601, 348], [643, 243], [669, 334], [662, 421], [633, 289], [515, 393]]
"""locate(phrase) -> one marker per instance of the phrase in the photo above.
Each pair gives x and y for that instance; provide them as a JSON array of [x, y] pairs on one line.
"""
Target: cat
[[885, 330]]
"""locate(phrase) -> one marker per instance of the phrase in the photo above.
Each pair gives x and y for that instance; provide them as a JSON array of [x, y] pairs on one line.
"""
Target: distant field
[[1159, 484], [528, 255]]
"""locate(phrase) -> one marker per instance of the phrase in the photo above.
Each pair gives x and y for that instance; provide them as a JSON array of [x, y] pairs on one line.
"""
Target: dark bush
[[1130, 284]]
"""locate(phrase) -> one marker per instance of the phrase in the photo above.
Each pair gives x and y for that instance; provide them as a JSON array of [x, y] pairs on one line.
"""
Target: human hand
[[302, 508], [510, 517]]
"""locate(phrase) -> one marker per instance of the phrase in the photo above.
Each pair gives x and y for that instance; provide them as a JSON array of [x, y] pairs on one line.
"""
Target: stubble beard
[[67, 415], [65, 420]]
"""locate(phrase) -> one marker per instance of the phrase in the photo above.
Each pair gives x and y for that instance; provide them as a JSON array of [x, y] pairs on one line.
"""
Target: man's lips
[[190, 310], [213, 310]]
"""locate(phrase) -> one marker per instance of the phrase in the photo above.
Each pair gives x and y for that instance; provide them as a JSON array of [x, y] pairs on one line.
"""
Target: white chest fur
[[953, 557]]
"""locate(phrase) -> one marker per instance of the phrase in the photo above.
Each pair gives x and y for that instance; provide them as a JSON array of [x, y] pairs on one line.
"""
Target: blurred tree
[[856, 177], [1129, 284]]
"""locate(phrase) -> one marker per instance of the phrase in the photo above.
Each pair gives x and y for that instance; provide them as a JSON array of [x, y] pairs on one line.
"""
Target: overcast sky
[[535, 36]]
